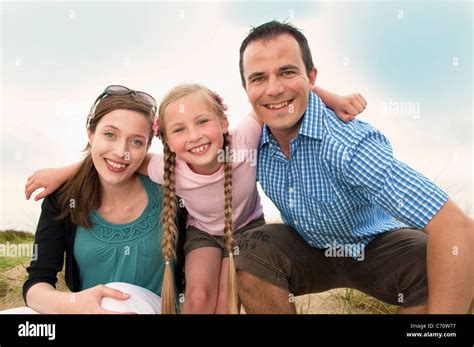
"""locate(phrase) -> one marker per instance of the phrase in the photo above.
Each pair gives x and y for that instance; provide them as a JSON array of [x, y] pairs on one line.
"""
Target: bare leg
[[202, 271], [222, 306], [450, 260], [259, 296]]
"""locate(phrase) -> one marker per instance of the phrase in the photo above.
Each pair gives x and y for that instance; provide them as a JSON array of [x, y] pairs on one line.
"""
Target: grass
[[14, 236], [340, 301], [7, 263], [357, 302], [13, 269]]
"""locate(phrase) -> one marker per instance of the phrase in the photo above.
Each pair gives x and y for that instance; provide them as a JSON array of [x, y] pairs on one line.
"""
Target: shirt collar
[[312, 125]]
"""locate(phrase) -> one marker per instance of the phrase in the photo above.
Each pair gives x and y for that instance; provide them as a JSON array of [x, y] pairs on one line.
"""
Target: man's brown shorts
[[393, 268]]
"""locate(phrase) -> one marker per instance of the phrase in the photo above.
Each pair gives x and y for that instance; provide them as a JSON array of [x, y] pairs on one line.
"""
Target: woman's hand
[[89, 300], [44, 298]]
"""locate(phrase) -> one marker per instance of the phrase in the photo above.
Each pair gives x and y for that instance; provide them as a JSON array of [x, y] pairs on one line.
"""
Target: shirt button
[[296, 221], [291, 190]]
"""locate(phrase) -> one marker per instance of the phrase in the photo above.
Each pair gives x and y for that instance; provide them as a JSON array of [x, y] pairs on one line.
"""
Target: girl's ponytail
[[232, 298], [168, 242]]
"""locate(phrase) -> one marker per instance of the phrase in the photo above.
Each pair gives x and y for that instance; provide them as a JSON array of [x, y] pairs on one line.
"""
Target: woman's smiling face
[[119, 145]]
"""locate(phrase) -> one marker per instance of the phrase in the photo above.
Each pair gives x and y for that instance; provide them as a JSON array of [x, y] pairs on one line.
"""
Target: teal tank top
[[128, 252]]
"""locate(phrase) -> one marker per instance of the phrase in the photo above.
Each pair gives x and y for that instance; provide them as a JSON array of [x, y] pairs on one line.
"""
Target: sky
[[412, 61]]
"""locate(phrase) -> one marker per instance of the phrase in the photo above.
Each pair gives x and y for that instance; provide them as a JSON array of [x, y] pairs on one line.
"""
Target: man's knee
[[265, 254], [260, 296], [246, 281], [250, 283]]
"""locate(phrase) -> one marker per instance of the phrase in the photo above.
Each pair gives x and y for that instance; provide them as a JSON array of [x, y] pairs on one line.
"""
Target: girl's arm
[[49, 179], [143, 169], [346, 107], [52, 178]]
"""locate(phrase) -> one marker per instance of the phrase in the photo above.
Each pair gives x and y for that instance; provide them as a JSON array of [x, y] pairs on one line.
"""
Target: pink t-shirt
[[203, 195]]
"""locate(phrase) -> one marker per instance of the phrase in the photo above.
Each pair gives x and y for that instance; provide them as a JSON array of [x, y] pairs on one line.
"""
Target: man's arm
[[414, 199]]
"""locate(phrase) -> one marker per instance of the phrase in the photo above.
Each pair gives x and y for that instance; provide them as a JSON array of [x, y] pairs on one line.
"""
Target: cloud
[[54, 66]]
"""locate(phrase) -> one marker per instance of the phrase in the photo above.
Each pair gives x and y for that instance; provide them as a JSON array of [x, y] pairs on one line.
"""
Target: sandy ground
[[321, 303], [313, 303], [15, 278], [330, 302]]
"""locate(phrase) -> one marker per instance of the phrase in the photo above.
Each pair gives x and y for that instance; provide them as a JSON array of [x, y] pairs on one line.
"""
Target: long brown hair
[[82, 193], [170, 203]]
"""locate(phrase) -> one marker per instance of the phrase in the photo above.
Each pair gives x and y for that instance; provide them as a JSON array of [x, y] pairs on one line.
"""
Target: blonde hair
[[170, 202]]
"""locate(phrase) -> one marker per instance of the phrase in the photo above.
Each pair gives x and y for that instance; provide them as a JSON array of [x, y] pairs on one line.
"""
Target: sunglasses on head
[[121, 90]]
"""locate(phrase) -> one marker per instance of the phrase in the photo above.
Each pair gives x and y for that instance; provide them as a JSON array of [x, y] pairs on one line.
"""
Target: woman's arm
[[43, 298], [39, 291]]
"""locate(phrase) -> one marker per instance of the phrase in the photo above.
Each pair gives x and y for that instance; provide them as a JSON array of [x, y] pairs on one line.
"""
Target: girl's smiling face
[[194, 133], [119, 145]]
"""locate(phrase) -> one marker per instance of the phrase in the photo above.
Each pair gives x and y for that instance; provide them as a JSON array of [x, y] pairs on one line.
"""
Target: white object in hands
[[141, 300]]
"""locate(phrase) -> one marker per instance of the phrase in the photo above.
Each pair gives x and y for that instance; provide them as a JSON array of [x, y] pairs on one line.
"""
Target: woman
[[105, 219]]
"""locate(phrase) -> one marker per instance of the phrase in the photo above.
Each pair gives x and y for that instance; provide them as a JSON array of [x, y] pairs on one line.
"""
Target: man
[[359, 217]]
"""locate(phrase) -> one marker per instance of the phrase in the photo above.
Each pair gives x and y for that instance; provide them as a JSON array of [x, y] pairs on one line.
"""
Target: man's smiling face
[[276, 82]]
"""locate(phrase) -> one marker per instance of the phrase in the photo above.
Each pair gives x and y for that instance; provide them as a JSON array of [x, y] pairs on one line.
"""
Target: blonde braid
[[232, 298], [168, 242]]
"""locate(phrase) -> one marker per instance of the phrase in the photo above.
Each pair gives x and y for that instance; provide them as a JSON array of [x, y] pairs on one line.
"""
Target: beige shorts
[[196, 238]]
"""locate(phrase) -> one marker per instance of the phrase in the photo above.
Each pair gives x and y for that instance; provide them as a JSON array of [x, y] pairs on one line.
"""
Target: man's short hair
[[271, 30]]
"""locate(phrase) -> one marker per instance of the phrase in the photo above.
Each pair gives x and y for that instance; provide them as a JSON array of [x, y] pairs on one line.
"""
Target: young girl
[[202, 163]]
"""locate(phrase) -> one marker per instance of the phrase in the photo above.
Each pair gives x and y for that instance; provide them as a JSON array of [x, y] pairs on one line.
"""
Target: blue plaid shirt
[[342, 184]]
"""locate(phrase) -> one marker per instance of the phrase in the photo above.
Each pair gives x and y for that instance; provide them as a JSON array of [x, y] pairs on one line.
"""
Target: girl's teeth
[[199, 149], [115, 165]]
